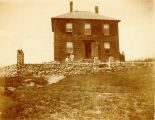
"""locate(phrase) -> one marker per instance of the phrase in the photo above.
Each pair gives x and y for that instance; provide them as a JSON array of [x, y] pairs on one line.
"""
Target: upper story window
[[106, 29], [69, 27], [107, 47], [87, 29], [69, 47]]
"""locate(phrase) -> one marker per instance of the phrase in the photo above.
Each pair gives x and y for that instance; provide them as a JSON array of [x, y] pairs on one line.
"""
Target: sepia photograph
[[77, 59]]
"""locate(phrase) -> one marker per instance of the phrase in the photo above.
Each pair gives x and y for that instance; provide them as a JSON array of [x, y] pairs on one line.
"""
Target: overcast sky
[[26, 24]]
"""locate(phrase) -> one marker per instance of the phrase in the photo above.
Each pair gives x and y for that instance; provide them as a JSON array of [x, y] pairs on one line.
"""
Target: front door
[[94, 49], [88, 50]]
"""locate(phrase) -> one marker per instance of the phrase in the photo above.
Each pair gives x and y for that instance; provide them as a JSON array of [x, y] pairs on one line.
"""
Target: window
[[107, 47], [69, 46], [106, 29], [69, 27], [87, 30]]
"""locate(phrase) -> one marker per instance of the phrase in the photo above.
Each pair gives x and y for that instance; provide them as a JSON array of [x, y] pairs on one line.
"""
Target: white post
[[109, 63]]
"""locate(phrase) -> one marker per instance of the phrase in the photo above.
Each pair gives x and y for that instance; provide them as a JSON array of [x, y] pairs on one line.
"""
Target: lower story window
[[107, 47], [69, 47], [107, 51]]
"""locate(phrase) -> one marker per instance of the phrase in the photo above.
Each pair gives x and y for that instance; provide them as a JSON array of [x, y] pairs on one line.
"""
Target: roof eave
[[87, 19]]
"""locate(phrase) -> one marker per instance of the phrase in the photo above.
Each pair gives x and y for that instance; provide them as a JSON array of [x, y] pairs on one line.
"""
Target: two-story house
[[85, 34]]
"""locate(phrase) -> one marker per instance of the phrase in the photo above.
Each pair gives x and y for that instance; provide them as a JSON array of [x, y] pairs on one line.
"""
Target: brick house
[[85, 34]]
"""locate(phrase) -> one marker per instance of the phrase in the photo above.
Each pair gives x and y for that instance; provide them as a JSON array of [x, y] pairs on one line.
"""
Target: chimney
[[96, 9], [71, 6]]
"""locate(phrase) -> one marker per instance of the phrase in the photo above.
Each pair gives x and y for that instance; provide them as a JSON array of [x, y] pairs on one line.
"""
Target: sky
[[26, 25]]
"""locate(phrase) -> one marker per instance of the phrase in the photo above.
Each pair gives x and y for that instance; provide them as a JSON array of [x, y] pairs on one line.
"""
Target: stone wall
[[69, 68], [8, 71]]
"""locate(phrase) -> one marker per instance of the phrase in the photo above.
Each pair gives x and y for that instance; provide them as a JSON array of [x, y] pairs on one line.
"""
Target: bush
[[13, 81]]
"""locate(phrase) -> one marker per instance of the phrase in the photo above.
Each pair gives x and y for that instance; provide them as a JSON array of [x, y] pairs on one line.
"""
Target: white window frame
[[69, 27], [87, 29], [106, 28], [107, 45], [69, 47]]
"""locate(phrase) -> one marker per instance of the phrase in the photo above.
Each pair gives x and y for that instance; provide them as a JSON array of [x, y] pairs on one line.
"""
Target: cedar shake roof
[[84, 15]]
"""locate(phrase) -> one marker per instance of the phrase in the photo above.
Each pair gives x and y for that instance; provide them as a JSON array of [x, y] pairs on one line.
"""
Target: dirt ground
[[120, 95]]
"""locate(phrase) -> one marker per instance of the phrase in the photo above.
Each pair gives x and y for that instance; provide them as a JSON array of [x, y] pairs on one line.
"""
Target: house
[[85, 34]]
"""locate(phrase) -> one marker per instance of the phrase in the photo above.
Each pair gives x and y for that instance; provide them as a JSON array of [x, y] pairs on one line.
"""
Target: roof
[[84, 15]]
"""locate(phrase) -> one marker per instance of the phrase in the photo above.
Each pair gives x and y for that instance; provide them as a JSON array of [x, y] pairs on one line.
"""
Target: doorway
[[94, 49], [87, 49]]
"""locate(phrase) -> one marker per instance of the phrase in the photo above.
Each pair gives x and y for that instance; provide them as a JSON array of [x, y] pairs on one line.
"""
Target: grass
[[121, 95]]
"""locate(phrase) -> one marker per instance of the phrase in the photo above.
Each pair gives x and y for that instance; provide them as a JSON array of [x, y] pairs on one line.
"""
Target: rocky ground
[[124, 94]]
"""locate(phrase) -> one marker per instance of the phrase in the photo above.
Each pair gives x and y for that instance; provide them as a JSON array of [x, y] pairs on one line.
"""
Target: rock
[[10, 88], [27, 80], [31, 84], [55, 78]]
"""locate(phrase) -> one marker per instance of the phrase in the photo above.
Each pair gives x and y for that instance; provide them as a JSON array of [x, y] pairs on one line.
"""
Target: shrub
[[13, 81]]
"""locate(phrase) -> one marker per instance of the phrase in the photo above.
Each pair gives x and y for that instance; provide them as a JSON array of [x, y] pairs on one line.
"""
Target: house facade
[[86, 35]]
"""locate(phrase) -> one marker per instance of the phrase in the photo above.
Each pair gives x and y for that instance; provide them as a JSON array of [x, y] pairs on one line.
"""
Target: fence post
[[109, 62]]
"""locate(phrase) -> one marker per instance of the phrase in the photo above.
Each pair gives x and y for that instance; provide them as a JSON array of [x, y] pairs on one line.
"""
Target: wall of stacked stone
[[54, 69], [8, 71], [69, 68]]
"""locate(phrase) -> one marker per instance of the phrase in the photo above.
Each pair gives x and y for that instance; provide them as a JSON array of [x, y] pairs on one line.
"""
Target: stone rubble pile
[[69, 68], [8, 71]]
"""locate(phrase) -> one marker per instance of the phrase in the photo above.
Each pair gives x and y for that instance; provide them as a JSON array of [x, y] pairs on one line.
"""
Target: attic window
[[87, 30], [69, 27], [106, 29]]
